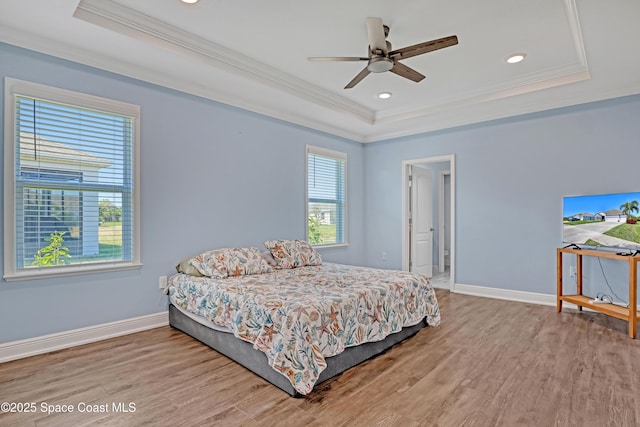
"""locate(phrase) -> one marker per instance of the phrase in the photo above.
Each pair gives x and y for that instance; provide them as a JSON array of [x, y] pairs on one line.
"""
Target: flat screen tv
[[602, 221]]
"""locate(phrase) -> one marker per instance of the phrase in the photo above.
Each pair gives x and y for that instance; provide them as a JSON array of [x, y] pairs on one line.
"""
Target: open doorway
[[428, 220]]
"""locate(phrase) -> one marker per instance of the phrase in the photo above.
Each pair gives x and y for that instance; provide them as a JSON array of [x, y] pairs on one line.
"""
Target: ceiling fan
[[381, 58]]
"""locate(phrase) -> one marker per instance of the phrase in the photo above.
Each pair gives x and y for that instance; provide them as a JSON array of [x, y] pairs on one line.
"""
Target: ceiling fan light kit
[[379, 64], [382, 58]]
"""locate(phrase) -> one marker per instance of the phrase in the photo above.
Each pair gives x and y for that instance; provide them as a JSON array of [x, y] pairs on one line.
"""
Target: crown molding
[[544, 79], [534, 82], [450, 119], [573, 22], [126, 21], [98, 60], [338, 116]]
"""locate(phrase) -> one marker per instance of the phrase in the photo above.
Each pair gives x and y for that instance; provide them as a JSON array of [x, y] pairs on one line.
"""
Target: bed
[[297, 323]]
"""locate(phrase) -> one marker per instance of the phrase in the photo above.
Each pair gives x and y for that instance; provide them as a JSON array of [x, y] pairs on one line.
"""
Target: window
[[326, 197], [71, 192]]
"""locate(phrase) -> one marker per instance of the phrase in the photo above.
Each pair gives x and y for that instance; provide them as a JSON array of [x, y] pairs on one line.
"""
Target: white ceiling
[[252, 54]]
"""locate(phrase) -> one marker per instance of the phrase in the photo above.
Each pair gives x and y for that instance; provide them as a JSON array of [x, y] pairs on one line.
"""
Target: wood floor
[[490, 363]]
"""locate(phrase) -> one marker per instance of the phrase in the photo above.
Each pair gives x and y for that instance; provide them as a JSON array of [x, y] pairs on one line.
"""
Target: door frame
[[405, 210]]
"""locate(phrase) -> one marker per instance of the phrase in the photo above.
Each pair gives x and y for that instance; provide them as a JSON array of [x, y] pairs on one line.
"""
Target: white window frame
[[310, 149], [13, 88]]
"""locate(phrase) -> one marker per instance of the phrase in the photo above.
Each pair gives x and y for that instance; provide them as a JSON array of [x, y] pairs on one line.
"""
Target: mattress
[[299, 317], [204, 321], [244, 354]]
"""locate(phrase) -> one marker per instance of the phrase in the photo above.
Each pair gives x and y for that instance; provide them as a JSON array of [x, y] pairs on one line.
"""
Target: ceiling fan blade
[[357, 79], [377, 40], [406, 72], [420, 48], [336, 58]]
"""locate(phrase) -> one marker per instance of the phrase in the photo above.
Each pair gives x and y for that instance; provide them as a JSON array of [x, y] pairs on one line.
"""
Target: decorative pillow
[[233, 262], [205, 263], [293, 253], [186, 267]]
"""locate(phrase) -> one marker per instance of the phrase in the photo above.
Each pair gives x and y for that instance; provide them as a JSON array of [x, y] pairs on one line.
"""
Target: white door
[[421, 221]]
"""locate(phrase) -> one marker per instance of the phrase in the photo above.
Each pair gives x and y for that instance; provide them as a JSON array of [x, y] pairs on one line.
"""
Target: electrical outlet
[[572, 271], [162, 282], [384, 256]]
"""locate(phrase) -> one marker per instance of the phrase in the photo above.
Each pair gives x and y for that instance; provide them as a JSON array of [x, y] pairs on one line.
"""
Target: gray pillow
[[186, 267]]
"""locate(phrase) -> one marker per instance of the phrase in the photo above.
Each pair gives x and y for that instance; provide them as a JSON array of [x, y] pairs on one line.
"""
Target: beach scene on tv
[[606, 220]]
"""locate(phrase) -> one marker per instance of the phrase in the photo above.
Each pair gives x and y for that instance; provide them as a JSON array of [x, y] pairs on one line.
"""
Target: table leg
[[579, 276], [559, 280], [633, 294]]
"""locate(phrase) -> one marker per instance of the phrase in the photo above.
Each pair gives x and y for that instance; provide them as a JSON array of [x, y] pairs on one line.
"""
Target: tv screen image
[[603, 220]]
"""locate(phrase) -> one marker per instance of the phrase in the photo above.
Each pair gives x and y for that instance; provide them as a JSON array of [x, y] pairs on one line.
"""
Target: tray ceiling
[[252, 54]]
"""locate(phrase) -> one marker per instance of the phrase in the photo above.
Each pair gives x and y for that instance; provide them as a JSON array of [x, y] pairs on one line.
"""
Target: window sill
[[337, 245], [52, 272]]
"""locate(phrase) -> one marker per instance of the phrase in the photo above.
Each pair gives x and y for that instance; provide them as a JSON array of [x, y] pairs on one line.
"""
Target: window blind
[[73, 185], [326, 196]]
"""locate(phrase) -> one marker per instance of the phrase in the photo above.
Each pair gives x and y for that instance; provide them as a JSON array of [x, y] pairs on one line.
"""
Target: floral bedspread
[[300, 316]]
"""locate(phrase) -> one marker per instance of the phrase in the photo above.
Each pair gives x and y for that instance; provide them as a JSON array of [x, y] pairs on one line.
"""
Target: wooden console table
[[628, 314]]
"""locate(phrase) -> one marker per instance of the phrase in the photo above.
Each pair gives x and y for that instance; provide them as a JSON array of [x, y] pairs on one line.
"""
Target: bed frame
[[243, 352]]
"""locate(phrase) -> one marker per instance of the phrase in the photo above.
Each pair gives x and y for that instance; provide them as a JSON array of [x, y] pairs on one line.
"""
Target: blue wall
[[511, 176], [215, 176], [211, 175]]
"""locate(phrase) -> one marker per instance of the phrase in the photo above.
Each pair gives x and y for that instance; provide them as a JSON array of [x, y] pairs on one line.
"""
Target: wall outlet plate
[[162, 282]]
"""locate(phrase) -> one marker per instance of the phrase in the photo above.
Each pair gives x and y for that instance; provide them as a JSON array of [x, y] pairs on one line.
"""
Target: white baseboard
[[47, 343], [506, 294], [511, 295], [44, 344]]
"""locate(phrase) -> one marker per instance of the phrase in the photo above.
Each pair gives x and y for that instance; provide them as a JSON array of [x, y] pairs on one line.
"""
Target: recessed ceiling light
[[515, 58], [190, 1], [384, 95]]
